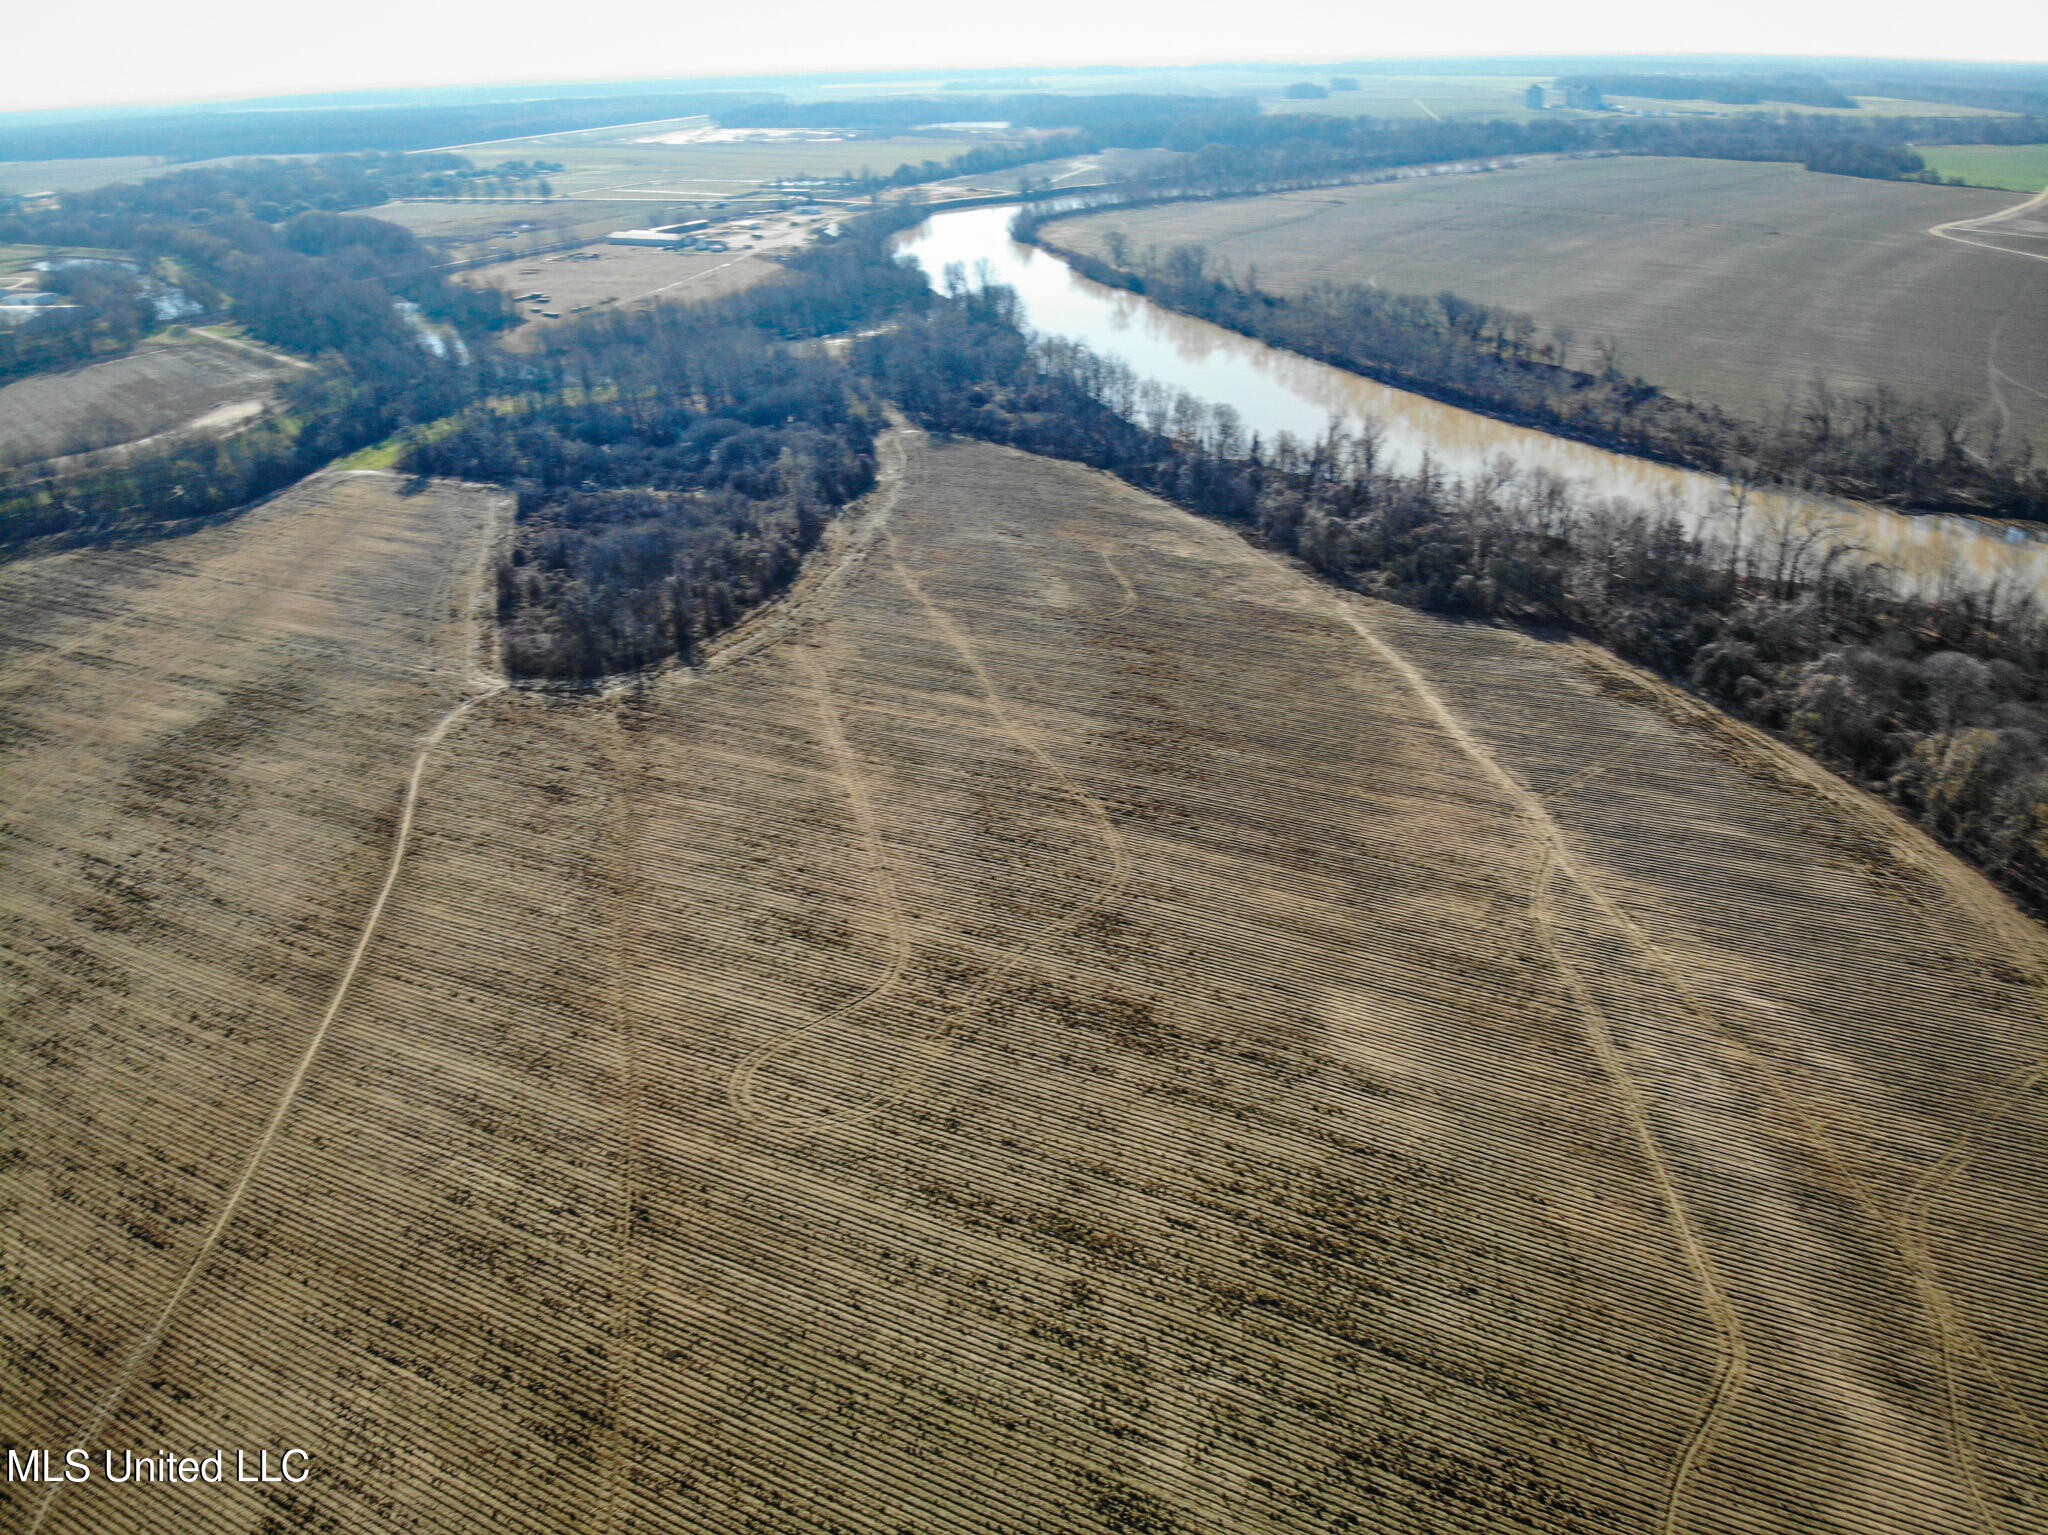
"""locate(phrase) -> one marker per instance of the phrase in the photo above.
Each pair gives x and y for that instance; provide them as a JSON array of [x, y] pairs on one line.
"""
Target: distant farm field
[[1415, 96], [627, 171], [1866, 106], [1066, 1024], [2014, 167], [75, 175], [1735, 283], [193, 386], [470, 228], [603, 275]]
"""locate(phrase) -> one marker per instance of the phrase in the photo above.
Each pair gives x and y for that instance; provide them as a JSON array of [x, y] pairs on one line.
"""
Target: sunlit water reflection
[[1277, 391]]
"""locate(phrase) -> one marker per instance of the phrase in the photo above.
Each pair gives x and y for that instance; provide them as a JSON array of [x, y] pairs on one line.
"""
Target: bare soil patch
[[602, 276], [472, 228], [153, 390], [1072, 1025]]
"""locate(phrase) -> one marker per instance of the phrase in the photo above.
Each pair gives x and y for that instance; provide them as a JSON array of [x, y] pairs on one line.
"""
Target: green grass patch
[[386, 454], [378, 455], [2009, 167]]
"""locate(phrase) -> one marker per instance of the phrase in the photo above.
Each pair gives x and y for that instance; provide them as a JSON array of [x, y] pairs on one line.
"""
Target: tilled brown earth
[[205, 741], [154, 390], [1075, 1027]]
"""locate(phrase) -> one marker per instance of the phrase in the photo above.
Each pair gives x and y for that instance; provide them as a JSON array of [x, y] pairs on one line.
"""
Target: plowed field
[[1736, 283], [1066, 1025], [156, 390]]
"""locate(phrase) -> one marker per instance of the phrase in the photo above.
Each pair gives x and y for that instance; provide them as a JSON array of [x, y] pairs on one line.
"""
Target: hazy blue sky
[[128, 50]]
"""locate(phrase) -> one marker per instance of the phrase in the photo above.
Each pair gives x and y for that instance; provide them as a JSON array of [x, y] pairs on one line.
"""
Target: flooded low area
[[1277, 391]]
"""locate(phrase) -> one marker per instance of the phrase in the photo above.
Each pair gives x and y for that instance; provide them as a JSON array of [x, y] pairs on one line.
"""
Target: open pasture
[[1065, 1024], [1734, 283], [191, 385], [2012, 167]]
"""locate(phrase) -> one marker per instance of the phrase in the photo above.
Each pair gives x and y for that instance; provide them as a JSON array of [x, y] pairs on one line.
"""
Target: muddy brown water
[[1276, 391]]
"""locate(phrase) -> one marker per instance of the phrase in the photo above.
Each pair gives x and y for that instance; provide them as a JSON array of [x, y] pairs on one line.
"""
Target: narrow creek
[[1276, 391]]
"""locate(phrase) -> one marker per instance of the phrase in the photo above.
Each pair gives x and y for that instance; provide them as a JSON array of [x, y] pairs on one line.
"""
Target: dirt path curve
[[847, 546], [1960, 230], [1906, 1229], [888, 900], [252, 1165], [1732, 1362], [1130, 592], [255, 349], [1732, 1366], [740, 1086]]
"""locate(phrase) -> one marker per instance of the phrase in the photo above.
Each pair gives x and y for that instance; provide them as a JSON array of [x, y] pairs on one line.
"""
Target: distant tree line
[[315, 282], [315, 131], [1938, 701], [194, 228], [2015, 91], [267, 190], [1736, 90], [1304, 148], [975, 162], [1875, 446]]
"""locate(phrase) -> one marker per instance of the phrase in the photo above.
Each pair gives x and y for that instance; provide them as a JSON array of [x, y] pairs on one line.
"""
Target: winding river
[[1277, 391]]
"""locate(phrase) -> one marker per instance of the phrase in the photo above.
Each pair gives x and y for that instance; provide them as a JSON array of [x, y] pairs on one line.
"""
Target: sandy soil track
[[2021, 230], [1069, 1024]]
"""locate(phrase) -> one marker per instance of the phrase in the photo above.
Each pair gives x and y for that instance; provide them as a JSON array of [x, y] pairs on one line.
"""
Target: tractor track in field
[[1960, 230], [742, 1084], [144, 1349], [1556, 1118], [1905, 1230], [881, 871], [484, 684], [1732, 1354], [1952, 1333], [1130, 592]]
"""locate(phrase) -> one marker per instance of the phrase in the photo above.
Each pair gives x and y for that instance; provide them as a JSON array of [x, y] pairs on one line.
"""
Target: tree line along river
[[1275, 391]]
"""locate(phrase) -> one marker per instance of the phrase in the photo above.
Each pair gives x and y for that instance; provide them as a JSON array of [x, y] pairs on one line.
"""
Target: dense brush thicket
[[673, 466], [1875, 446], [1938, 701], [654, 518]]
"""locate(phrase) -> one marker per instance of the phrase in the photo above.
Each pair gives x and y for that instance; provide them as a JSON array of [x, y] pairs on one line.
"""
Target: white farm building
[[665, 234]]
